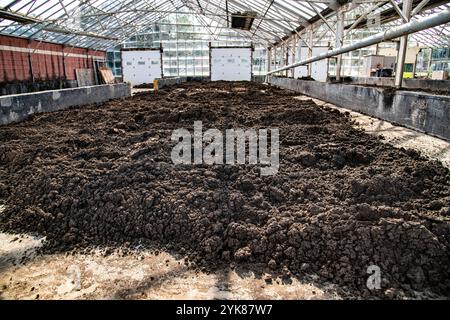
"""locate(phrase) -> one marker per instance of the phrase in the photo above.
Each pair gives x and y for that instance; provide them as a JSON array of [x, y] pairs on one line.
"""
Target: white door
[[319, 69], [141, 66], [231, 64]]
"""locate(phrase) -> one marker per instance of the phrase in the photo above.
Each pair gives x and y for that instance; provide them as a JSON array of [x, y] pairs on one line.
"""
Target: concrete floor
[[143, 275], [140, 275]]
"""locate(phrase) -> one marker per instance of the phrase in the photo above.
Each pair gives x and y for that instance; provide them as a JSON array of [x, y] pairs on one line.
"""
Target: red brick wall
[[46, 60], [73, 63], [13, 65]]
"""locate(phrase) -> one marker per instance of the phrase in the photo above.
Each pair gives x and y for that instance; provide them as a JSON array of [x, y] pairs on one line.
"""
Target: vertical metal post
[[415, 65], [252, 49], [294, 50], [161, 54], [287, 54], [30, 61], [275, 60], [310, 53], [64, 62], [339, 36], [360, 59], [401, 54], [210, 62]]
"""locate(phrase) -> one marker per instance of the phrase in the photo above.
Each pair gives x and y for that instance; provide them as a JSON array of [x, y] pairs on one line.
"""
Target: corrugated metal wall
[[46, 60]]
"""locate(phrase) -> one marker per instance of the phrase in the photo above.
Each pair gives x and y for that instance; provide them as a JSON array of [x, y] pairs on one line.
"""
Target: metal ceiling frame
[[51, 17], [395, 32], [105, 23]]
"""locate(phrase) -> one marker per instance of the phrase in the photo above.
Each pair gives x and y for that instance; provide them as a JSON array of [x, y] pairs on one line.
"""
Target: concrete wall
[[18, 87], [170, 80], [15, 108], [420, 111], [258, 78], [423, 84], [165, 82], [198, 78]]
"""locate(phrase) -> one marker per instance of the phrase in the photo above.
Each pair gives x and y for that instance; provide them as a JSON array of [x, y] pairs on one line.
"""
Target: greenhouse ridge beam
[[115, 20], [204, 13], [105, 23], [404, 29]]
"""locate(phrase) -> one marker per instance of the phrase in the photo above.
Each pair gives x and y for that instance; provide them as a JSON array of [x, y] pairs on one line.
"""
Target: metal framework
[[104, 23], [399, 31], [280, 25], [381, 16]]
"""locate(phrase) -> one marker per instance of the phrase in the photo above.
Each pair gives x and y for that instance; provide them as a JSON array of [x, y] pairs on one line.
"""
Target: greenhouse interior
[[225, 150]]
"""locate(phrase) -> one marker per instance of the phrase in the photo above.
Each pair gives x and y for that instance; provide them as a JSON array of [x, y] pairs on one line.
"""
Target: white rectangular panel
[[141, 66], [231, 64], [319, 69]]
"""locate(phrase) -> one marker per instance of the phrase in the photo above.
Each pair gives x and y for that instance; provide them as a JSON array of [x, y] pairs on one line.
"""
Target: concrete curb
[[416, 110], [17, 107]]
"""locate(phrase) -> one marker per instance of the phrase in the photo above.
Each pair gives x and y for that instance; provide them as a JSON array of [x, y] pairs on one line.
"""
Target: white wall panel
[[141, 66], [231, 64], [319, 69]]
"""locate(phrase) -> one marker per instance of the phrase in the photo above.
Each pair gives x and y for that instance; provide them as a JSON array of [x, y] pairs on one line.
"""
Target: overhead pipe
[[398, 31]]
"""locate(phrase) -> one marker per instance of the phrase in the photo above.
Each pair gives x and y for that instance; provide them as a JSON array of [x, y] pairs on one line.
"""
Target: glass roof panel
[[104, 23]]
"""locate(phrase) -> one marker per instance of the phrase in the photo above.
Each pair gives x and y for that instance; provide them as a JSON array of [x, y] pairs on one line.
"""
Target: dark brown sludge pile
[[341, 201]]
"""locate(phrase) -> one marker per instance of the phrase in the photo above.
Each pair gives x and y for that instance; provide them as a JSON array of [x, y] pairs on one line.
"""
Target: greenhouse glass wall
[[185, 43]]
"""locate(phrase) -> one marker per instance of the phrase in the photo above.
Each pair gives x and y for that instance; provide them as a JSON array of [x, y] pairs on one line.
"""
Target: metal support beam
[[340, 14], [286, 42], [401, 54], [364, 15], [310, 49], [294, 42], [321, 16], [419, 7], [301, 39], [285, 56], [399, 11], [227, 12], [318, 38], [264, 15], [395, 32], [275, 58], [30, 62], [24, 19]]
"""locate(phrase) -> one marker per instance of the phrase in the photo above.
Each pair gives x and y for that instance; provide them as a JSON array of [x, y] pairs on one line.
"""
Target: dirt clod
[[342, 200]]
